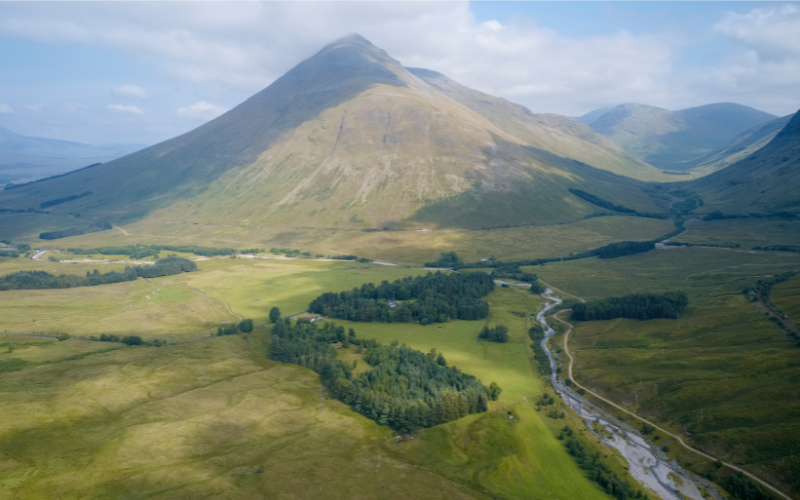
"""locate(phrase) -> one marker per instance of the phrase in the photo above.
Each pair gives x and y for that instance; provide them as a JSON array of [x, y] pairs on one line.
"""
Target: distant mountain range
[[674, 140], [24, 158]]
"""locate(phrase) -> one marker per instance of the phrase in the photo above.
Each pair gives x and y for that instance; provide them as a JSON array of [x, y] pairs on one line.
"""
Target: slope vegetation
[[764, 182], [670, 139], [351, 139]]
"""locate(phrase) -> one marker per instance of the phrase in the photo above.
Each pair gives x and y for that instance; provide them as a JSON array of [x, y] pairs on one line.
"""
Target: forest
[[142, 251], [405, 389], [75, 231], [600, 202], [433, 298], [42, 280], [642, 306]]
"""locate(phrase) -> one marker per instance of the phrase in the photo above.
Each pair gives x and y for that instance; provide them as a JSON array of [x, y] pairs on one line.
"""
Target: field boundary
[[674, 436]]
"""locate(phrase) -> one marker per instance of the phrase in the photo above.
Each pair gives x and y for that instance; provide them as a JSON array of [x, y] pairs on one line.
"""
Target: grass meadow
[[722, 374], [787, 296], [214, 418], [748, 233], [405, 246]]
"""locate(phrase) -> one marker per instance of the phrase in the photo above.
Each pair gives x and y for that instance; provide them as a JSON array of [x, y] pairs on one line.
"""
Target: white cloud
[[36, 107], [5, 109], [201, 111], [126, 108], [774, 33], [129, 91]]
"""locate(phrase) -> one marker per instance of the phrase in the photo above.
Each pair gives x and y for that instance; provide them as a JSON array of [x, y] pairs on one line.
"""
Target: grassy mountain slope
[[350, 138], [765, 181], [739, 147], [558, 134], [669, 139]]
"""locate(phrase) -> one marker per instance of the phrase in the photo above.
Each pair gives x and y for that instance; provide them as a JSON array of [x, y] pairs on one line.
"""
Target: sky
[[143, 72]]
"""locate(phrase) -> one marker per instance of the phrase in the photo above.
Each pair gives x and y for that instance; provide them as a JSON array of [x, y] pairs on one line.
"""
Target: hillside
[[592, 116], [24, 158], [672, 139], [350, 138], [765, 181], [739, 147]]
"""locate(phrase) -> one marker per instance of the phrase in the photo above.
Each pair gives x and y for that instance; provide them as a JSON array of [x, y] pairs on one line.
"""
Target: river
[[648, 466]]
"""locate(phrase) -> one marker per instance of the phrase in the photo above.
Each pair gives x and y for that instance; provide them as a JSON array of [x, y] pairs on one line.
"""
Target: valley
[[353, 170]]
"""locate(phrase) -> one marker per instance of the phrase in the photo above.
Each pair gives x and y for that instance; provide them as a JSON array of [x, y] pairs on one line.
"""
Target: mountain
[[763, 182], [558, 134], [24, 158], [673, 139], [739, 147], [592, 116], [349, 138]]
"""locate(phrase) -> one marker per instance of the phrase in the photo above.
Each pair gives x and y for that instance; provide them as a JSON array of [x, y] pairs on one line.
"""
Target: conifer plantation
[[42, 280], [405, 389], [433, 298], [641, 306]]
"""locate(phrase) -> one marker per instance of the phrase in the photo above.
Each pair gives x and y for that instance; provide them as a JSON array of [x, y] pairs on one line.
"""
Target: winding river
[[647, 465]]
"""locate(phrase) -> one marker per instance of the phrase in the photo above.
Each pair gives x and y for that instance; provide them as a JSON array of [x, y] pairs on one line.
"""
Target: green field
[[748, 233], [723, 375], [787, 296], [409, 246], [215, 417]]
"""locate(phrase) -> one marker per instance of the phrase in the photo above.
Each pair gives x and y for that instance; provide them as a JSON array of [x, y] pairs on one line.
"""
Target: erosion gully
[[646, 464]]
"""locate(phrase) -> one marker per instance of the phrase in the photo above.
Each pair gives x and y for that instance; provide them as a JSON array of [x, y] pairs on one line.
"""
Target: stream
[[647, 465]]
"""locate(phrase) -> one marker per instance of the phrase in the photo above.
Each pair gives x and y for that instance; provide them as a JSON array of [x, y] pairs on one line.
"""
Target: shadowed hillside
[[739, 147], [350, 138], [671, 139], [764, 182]]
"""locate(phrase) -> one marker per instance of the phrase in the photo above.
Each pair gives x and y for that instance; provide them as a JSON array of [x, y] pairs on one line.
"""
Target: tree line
[[433, 298], [642, 306], [598, 471], [75, 231], [244, 326], [59, 201], [42, 280], [138, 252], [404, 389]]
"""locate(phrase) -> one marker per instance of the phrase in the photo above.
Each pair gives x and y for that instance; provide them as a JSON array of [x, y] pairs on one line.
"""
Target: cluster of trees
[[127, 339], [496, 334], [59, 201], [289, 252], [641, 306], [717, 215], [500, 270], [536, 333], [743, 488], [18, 249], [433, 298], [446, 260], [41, 280], [622, 248], [777, 248], [244, 326], [600, 472], [75, 231], [404, 389], [137, 252]]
